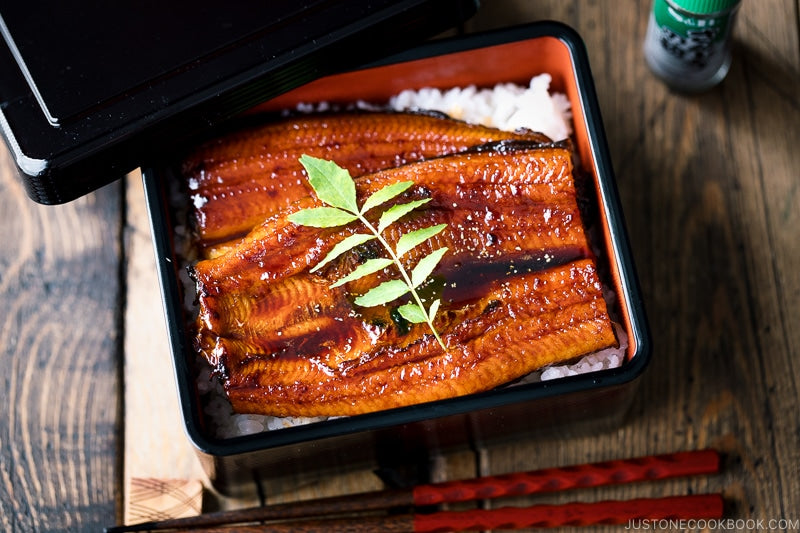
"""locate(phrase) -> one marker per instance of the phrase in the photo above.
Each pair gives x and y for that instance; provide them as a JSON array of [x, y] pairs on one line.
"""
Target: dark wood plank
[[59, 390], [710, 191], [709, 186]]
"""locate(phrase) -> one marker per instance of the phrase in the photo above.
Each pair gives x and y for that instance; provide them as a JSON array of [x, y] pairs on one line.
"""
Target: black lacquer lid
[[91, 90]]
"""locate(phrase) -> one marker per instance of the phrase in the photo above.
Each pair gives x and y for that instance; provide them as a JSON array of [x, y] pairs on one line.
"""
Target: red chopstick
[[635, 512], [695, 506], [648, 468]]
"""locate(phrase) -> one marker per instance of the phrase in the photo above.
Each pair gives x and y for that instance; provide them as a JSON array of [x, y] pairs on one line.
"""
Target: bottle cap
[[705, 7]]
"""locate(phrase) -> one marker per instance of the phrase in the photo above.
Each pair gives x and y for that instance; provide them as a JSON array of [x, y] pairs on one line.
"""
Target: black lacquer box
[[510, 55], [73, 127]]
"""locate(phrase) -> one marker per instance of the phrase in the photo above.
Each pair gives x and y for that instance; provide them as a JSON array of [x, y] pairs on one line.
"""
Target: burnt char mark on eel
[[519, 291]]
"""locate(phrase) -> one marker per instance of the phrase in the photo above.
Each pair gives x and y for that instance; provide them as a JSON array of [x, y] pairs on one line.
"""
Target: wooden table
[[710, 186]]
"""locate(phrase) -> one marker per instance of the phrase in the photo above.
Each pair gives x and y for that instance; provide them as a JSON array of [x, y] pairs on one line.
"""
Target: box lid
[[90, 90]]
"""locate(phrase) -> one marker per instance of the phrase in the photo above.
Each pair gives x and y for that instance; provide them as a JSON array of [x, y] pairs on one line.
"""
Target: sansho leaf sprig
[[335, 188]]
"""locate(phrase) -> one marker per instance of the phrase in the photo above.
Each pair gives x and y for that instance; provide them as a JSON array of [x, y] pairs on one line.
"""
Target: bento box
[[375, 439]]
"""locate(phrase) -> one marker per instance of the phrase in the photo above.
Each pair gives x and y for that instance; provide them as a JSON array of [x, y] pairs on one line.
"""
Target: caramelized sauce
[[518, 286]]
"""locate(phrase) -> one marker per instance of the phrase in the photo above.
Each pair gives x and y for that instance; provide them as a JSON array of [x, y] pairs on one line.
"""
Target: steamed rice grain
[[506, 106]]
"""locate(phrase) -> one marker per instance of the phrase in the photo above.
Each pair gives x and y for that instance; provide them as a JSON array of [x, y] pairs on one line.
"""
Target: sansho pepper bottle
[[688, 42]]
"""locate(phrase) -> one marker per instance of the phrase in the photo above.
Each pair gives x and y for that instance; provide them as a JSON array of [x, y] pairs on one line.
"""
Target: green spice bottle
[[688, 42]]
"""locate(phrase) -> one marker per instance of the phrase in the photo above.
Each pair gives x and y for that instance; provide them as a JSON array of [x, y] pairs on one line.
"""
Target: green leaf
[[413, 238], [332, 183], [383, 293], [397, 211], [365, 269], [426, 266], [385, 194], [335, 187], [346, 244], [322, 217], [412, 312], [433, 309]]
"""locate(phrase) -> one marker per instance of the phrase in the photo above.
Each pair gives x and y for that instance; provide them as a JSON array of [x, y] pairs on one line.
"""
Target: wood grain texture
[[59, 334], [711, 193]]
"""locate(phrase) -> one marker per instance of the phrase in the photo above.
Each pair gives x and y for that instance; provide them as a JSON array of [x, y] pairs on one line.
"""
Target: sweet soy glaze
[[518, 286]]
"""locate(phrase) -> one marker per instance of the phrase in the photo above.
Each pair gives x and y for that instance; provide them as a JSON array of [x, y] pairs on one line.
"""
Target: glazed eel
[[519, 291], [239, 179]]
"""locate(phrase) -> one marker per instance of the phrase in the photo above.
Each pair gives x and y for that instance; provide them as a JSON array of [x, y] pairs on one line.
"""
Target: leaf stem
[[404, 274], [335, 187]]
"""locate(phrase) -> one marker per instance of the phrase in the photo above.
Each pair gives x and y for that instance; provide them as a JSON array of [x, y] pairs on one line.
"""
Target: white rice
[[602, 360], [506, 106]]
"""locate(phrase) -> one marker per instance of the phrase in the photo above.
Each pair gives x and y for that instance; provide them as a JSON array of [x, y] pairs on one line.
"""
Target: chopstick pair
[[699, 506], [325, 514]]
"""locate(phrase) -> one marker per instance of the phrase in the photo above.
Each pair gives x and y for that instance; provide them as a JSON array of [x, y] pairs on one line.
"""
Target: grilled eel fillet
[[519, 291], [238, 180]]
